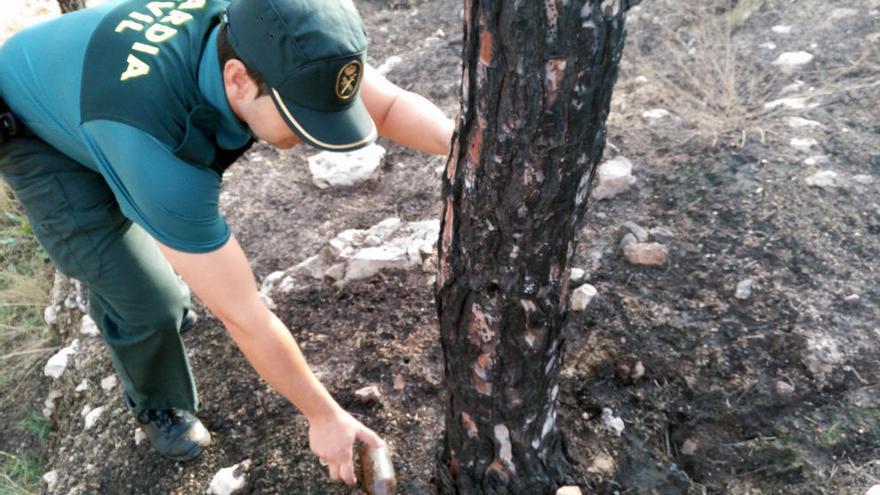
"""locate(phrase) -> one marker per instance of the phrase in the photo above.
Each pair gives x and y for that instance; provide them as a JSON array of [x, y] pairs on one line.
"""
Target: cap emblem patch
[[349, 79]]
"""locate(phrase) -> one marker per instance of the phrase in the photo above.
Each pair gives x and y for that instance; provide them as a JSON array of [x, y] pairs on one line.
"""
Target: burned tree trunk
[[536, 89], [71, 5]]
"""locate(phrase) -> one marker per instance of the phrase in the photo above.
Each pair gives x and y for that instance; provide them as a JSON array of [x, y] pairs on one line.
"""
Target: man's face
[[266, 123]]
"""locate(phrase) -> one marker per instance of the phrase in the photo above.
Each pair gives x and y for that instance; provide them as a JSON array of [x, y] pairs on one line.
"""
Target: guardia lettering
[[158, 25]]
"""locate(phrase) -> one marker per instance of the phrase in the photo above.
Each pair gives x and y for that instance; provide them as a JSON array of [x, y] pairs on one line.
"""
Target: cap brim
[[346, 130]]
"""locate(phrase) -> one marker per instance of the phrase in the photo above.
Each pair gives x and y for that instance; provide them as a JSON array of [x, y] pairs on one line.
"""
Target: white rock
[[569, 490], [368, 393], [843, 12], [139, 436], [370, 261], [582, 296], [792, 88], [108, 383], [331, 169], [271, 281], [50, 479], [874, 490], [389, 65], [612, 422], [577, 274], [312, 267], [791, 61], [50, 315], [614, 178], [267, 300], [803, 144], [790, 103], [768, 45], [656, 114], [83, 386], [863, 179], [825, 179], [817, 160], [58, 363], [92, 417], [88, 327], [744, 289], [781, 29], [49, 403], [230, 480], [800, 123]]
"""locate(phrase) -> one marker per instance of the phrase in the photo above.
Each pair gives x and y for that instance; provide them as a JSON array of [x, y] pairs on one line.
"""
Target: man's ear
[[239, 85]]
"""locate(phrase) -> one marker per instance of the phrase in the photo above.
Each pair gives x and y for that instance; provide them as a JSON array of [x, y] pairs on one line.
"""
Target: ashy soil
[[778, 393]]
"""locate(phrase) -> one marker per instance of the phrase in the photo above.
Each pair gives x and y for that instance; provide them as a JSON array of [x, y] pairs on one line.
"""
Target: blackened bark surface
[[536, 89], [71, 5]]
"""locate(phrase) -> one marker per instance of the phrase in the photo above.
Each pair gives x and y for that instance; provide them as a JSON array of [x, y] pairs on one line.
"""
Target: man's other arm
[[404, 116]]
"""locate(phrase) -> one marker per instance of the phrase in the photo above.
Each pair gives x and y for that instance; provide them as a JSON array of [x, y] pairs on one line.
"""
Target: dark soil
[[728, 403]]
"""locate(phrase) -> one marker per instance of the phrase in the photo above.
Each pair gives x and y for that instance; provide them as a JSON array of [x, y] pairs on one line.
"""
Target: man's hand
[[331, 438]]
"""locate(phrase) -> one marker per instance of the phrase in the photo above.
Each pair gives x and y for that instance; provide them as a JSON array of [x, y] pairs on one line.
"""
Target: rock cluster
[[637, 248], [359, 254]]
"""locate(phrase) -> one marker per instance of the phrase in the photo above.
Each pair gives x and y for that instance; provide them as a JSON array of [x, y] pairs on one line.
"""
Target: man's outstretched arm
[[224, 281], [404, 116]]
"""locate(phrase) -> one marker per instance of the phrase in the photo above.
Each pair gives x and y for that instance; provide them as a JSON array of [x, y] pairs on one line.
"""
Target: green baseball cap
[[311, 54]]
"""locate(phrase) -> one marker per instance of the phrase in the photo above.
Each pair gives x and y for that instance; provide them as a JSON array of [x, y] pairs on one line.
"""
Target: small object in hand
[[378, 471], [322, 462]]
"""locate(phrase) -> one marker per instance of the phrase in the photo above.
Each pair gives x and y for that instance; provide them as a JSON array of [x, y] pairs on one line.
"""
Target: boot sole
[[193, 453]]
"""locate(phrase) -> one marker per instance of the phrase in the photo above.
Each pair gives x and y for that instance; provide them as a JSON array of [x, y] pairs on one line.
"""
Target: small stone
[[50, 479], [573, 490], [603, 464], [83, 386], [267, 300], [781, 29], [656, 114], [139, 436], [790, 103], [614, 178], [333, 169], [58, 363], [389, 65], [662, 234], [638, 371], [689, 447], [49, 403], [108, 383], [852, 298], [791, 61], [92, 417], [744, 289], [792, 88], [769, 45], [803, 144], [50, 315], [874, 490], [817, 160], [843, 12], [368, 394], [640, 233], [88, 327], [582, 296], [230, 480], [800, 123], [612, 422], [824, 179], [627, 240], [783, 388], [646, 254], [863, 179], [822, 356], [399, 382], [577, 274]]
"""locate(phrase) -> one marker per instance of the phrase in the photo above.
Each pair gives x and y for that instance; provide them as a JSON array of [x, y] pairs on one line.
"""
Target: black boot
[[189, 321], [176, 434]]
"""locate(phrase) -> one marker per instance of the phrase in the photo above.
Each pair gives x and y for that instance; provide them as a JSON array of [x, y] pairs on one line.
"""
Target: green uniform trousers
[[135, 297]]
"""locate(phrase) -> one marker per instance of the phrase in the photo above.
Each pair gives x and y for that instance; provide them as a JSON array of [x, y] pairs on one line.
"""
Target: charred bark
[[536, 90], [71, 5]]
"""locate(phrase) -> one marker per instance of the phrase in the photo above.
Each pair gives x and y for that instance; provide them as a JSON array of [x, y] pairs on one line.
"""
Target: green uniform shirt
[[41, 70]]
